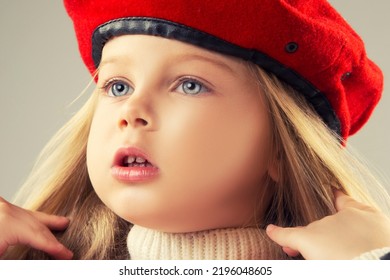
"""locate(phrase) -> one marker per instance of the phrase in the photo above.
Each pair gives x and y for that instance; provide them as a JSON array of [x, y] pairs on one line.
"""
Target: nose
[[137, 112]]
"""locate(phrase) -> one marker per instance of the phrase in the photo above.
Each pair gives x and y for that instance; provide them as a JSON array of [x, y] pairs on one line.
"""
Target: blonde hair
[[59, 184], [309, 157]]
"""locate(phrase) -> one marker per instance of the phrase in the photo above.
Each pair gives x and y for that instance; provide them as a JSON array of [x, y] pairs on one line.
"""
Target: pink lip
[[132, 174]]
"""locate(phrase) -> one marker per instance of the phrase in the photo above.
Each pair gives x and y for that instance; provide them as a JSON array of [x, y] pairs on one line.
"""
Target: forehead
[[158, 48]]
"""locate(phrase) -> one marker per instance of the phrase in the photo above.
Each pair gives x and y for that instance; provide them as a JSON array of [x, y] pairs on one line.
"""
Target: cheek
[[98, 135], [99, 144], [212, 158], [218, 153]]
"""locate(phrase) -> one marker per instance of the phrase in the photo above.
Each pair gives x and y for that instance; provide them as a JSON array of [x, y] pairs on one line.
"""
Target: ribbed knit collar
[[218, 244]]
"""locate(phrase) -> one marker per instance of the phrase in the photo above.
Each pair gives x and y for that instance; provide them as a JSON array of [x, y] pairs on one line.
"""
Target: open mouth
[[132, 165], [133, 161], [132, 157]]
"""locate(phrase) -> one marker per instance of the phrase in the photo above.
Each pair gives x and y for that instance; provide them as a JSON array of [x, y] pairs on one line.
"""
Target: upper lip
[[124, 152]]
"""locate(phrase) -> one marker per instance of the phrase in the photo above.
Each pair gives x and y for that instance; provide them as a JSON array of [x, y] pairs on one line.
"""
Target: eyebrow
[[111, 60], [179, 58], [216, 62]]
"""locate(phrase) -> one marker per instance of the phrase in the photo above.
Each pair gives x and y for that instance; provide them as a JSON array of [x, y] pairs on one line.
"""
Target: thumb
[[285, 237], [343, 201]]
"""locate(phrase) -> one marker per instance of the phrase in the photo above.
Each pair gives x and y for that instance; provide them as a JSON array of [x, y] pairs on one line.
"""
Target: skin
[[215, 187], [211, 147], [354, 230], [20, 226]]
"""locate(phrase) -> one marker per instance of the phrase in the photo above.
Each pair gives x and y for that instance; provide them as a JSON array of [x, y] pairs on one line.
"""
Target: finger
[[285, 237], [51, 221], [32, 229], [3, 247], [343, 201], [42, 239], [56, 250], [290, 252]]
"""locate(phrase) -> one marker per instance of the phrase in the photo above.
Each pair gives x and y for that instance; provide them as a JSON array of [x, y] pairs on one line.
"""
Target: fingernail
[[69, 254], [66, 253], [64, 219], [270, 227]]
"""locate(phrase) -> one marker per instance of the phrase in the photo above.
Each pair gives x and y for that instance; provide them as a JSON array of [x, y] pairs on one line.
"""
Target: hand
[[355, 229], [20, 226]]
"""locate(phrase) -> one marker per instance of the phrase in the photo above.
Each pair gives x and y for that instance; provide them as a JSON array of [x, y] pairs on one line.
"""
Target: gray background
[[41, 74]]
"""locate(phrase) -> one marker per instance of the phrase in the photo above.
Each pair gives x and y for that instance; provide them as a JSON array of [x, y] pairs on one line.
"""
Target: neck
[[218, 244]]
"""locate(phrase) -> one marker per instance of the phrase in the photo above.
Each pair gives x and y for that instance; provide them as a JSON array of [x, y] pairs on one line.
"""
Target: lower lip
[[134, 174]]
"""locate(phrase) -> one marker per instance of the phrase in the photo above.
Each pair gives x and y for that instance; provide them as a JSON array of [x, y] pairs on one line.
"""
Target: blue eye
[[118, 88], [192, 87]]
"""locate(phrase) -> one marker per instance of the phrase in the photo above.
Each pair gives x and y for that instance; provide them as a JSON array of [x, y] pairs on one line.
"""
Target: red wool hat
[[305, 43]]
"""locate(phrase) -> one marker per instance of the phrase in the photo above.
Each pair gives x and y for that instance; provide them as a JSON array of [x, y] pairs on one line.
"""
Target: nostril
[[123, 123], [137, 122], [141, 121]]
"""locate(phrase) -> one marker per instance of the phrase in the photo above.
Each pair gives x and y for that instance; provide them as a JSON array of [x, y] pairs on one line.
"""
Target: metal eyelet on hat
[[345, 76], [291, 47]]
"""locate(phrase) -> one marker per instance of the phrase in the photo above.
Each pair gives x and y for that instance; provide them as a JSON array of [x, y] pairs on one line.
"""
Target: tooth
[[130, 159], [140, 160]]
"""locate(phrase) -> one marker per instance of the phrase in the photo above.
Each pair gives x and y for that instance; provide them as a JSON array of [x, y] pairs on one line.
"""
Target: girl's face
[[199, 121]]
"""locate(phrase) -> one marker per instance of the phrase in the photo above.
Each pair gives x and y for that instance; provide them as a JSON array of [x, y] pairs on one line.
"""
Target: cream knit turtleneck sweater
[[218, 244]]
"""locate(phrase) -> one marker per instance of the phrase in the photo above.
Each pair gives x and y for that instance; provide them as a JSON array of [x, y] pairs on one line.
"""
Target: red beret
[[305, 43]]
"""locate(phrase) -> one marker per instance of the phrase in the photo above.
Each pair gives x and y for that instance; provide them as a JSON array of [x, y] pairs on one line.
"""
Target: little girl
[[216, 131]]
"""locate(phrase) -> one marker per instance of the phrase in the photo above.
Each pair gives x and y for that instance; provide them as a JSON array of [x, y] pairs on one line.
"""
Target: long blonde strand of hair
[[311, 159], [59, 184]]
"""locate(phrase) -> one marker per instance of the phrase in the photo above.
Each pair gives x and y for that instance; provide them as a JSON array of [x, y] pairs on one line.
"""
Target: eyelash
[[181, 81], [105, 87], [205, 89]]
